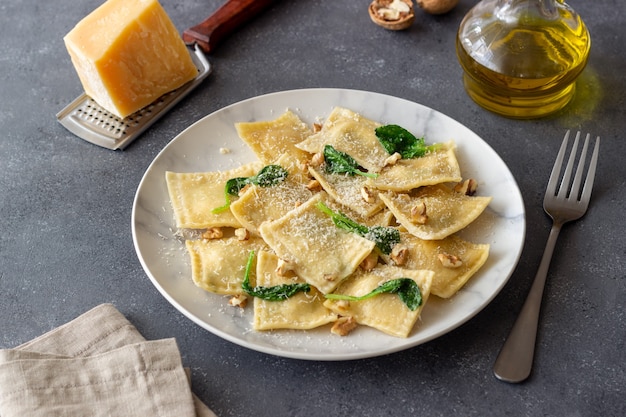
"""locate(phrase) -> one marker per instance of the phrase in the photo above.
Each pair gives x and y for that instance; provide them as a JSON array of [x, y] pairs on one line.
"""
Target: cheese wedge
[[127, 54]]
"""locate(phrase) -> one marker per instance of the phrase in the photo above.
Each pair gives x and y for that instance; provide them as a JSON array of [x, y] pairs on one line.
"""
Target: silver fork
[[564, 204]]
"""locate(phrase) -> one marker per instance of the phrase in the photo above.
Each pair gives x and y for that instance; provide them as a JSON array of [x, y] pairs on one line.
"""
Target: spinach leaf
[[385, 238], [407, 289], [234, 185], [395, 138], [268, 176], [338, 162], [275, 293]]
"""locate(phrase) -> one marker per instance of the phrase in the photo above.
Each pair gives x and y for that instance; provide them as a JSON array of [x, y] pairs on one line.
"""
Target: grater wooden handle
[[234, 13]]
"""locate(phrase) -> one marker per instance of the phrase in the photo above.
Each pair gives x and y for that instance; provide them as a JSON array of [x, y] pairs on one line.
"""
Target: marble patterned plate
[[197, 148]]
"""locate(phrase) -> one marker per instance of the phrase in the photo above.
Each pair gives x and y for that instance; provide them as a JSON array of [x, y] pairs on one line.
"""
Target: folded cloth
[[96, 365]]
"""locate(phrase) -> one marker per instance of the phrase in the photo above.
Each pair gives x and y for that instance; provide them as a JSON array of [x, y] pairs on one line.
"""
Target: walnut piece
[[467, 187], [314, 185], [368, 195], [242, 234], [213, 233], [449, 261], [343, 326], [418, 213], [283, 267], [238, 301], [330, 277], [370, 261], [399, 254], [317, 159], [392, 159]]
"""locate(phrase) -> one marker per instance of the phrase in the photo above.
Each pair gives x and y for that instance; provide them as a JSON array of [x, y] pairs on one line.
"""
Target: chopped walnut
[[213, 233], [283, 267], [399, 254], [370, 261], [449, 261], [418, 213], [238, 301], [317, 159], [314, 185], [242, 233], [369, 196], [467, 187], [393, 159], [343, 326], [317, 127]]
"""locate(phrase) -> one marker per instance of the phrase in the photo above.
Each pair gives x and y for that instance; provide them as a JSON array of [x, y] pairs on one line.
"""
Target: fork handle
[[515, 359]]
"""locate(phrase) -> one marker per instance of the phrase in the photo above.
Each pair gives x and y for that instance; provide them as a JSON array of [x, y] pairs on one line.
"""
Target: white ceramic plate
[[197, 148]]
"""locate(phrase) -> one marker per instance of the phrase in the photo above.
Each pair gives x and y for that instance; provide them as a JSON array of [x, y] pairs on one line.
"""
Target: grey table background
[[65, 207]]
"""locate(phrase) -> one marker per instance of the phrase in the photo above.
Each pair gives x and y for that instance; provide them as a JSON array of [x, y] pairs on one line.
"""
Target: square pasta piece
[[385, 312], [349, 191], [453, 260], [433, 168], [194, 195], [218, 265], [435, 212], [351, 133], [320, 252], [270, 139], [301, 311], [257, 205]]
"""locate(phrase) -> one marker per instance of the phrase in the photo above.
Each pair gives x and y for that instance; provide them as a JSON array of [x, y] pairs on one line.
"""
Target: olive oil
[[521, 58]]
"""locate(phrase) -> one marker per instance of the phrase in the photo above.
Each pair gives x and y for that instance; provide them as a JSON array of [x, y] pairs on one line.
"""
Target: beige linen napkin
[[96, 365]]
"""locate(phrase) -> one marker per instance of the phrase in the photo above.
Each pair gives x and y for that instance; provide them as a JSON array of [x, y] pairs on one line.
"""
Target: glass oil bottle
[[521, 58]]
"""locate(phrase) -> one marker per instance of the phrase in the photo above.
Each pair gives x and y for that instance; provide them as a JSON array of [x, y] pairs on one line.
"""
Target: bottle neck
[[520, 12], [532, 9]]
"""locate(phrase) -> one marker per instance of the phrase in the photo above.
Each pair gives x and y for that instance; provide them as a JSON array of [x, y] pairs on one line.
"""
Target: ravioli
[[322, 254], [194, 195], [218, 265], [271, 139], [435, 167], [446, 211], [385, 312], [351, 133], [260, 204], [302, 311]]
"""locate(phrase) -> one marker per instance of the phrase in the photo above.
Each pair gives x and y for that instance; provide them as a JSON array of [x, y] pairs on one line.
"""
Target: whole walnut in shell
[[437, 6]]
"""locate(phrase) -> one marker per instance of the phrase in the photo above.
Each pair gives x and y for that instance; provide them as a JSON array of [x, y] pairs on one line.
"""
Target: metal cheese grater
[[88, 120]]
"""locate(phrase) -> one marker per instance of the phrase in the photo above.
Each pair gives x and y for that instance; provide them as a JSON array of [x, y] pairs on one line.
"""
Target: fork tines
[[565, 190]]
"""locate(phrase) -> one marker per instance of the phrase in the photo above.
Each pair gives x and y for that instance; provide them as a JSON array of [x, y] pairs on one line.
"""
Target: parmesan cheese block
[[128, 53]]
